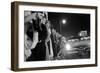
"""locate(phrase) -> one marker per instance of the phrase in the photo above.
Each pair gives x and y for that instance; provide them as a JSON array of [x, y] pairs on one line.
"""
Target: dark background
[[74, 23]]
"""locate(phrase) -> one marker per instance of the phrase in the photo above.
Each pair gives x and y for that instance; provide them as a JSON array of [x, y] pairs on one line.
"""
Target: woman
[[28, 16], [48, 43], [38, 47], [62, 52]]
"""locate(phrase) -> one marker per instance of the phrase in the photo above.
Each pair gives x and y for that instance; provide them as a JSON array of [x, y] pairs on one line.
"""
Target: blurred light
[[64, 21], [68, 47]]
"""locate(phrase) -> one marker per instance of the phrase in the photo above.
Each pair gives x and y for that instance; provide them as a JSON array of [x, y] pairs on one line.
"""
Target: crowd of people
[[41, 41]]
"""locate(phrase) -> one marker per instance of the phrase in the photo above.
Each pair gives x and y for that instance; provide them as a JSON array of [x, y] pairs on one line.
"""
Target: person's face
[[43, 21], [40, 15], [27, 13], [64, 40]]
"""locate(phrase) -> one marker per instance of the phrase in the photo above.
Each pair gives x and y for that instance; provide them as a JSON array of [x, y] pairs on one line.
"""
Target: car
[[75, 50]]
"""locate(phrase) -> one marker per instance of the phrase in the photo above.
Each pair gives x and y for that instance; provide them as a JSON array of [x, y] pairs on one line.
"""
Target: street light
[[62, 22]]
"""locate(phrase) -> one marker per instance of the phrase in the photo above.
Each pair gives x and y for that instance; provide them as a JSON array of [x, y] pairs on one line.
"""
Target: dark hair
[[35, 24]]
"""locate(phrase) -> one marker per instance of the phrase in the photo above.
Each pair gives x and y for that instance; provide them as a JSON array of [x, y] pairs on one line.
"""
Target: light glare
[[64, 21], [68, 47]]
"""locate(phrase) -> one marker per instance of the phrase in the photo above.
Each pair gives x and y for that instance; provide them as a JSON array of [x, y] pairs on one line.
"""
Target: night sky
[[74, 23]]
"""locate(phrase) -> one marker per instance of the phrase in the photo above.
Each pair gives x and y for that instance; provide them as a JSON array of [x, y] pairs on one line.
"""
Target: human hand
[[27, 53]]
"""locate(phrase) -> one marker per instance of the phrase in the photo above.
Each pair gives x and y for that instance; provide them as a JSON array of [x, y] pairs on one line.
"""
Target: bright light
[[68, 47], [64, 21]]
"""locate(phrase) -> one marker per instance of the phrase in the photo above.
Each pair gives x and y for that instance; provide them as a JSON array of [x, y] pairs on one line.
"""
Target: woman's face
[[27, 13], [43, 20], [40, 15]]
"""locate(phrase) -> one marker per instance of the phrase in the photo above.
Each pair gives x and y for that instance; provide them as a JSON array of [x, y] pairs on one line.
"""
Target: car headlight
[[68, 46]]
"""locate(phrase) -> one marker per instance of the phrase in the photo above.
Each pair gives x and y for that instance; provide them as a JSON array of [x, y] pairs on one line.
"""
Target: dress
[[39, 52]]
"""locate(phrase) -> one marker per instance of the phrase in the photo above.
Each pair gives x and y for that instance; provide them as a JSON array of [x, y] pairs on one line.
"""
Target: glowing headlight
[[68, 47]]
